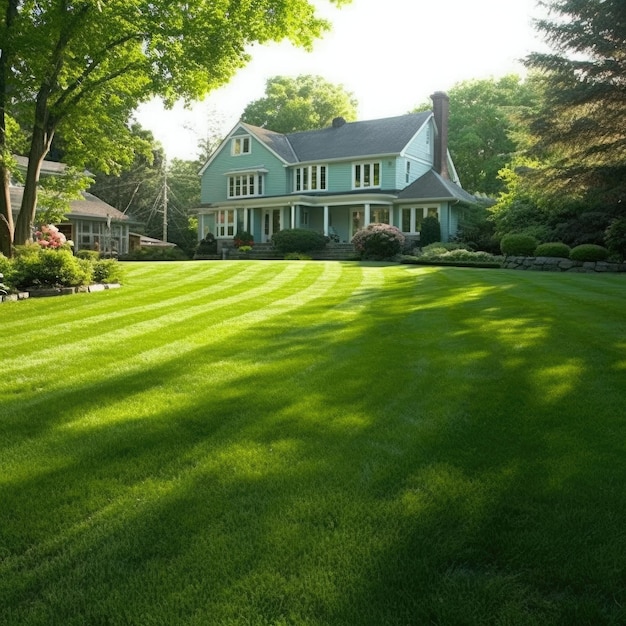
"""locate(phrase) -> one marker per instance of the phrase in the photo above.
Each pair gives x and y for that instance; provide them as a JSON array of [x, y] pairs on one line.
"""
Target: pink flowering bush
[[50, 237], [379, 241]]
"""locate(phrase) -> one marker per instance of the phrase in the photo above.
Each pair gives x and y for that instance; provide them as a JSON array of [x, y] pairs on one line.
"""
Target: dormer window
[[240, 145]]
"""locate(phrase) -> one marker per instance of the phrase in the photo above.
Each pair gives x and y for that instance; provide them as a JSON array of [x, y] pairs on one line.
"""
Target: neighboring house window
[[310, 178], [242, 185], [411, 219], [408, 171], [225, 223], [366, 175], [240, 145]]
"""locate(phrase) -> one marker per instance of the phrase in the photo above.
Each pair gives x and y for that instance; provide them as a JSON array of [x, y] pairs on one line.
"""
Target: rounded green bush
[[518, 245], [50, 268], [553, 249], [298, 240], [379, 241], [589, 252]]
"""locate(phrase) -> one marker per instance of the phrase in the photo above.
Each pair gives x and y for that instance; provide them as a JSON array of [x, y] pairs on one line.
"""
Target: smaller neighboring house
[[336, 180], [91, 224], [139, 241]]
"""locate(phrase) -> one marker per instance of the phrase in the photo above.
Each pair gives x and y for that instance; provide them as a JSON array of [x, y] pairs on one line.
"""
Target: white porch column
[[245, 219], [326, 221], [293, 216], [251, 224], [367, 214], [234, 223]]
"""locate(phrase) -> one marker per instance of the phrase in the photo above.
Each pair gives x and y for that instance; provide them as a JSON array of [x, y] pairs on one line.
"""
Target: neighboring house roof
[[433, 186], [151, 242], [47, 167], [88, 207]]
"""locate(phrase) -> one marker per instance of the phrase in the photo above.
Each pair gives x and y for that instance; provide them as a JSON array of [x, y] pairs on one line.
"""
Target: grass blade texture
[[315, 443]]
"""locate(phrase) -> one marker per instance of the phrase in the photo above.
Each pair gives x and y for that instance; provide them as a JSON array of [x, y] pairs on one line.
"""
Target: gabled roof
[[369, 138], [432, 186]]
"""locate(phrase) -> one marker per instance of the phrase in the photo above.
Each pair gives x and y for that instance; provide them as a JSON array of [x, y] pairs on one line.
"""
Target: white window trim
[[244, 182], [303, 176], [362, 165], [421, 211], [241, 141]]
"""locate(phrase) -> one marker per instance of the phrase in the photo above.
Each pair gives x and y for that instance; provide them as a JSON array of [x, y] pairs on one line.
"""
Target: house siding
[[214, 181], [420, 154]]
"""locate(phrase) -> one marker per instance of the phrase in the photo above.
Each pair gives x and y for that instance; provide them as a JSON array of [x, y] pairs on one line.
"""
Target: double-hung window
[[245, 185], [240, 145], [366, 175], [310, 178]]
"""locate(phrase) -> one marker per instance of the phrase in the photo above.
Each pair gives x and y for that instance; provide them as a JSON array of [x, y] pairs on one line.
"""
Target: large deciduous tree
[[581, 130], [80, 68], [305, 102]]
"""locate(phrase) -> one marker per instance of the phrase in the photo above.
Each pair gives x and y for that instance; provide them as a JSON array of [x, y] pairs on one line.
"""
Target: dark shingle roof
[[87, 206], [432, 186], [351, 139]]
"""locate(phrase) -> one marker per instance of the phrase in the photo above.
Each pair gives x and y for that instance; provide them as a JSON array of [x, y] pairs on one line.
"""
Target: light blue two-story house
[[335, 180]]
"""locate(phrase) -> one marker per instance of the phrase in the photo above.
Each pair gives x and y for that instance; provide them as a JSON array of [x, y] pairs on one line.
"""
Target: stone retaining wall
[[556, 264]]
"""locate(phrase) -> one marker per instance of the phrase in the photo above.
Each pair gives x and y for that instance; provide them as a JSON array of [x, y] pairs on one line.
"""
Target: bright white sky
[[390, 54]]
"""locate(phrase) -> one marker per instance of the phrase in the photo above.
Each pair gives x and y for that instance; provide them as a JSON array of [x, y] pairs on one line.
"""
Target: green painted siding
[[420, 153], [214, 182]]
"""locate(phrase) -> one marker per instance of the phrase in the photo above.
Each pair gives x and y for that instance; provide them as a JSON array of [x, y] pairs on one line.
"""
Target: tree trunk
[[6, 214], [43, 131]]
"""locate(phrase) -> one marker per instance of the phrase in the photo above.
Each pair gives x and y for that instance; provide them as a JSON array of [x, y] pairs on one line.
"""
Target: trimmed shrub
[[588, 252], [206, 246], [92, 255], [156, 254], [518, 245], [107, 271], [298, 240], [297, 256], [379, 241], [615, 238], [553, 249], [244, 238], [50, 268], [430, 231]]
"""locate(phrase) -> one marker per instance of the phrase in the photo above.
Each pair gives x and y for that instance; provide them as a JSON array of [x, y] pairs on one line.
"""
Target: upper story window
[[242, 185], [310, 178], [366, 175], [240, 145]]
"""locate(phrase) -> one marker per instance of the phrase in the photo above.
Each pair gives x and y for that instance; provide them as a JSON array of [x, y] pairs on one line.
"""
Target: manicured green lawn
[[316, 443]]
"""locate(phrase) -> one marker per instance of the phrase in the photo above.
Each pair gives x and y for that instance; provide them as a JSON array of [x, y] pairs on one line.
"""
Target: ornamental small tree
[[379, 242]]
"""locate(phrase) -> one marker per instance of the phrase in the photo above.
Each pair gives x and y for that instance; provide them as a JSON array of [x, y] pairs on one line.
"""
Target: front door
[[357, 220], [271, 223]]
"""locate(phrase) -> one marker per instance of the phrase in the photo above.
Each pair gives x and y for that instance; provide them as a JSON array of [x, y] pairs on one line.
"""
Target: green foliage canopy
[[580, 128], [80, 69], [303, 103]]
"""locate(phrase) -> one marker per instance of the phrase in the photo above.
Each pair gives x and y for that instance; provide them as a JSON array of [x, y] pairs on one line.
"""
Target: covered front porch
[[338, 218]]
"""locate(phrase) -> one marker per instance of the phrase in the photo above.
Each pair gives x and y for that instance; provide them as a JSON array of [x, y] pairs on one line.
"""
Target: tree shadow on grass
[[403, 461]]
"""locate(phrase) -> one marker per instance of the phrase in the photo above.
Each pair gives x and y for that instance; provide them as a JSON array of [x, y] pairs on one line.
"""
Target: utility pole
[[164, 199]]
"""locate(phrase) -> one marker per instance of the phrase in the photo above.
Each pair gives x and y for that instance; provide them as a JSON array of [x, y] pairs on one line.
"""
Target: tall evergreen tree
[[581, 130]]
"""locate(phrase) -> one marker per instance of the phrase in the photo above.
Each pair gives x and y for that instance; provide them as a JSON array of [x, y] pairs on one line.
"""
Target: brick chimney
[[441, 110]]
